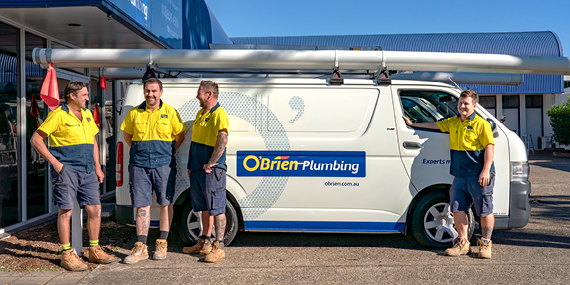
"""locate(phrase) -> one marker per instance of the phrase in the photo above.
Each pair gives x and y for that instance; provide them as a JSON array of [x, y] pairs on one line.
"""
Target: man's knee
[[65, 214], [93, 211]]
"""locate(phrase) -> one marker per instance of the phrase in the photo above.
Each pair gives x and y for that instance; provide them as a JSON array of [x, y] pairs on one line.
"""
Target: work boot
[[71, 261], [161, 249], [98, 255], [459, 248], [484, 248], [216, 254], [139, 252], [203, 247]]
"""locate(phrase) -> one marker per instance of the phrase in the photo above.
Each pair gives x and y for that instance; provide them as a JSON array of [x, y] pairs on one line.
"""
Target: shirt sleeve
[[486, 137], [444, 125], [222, 122], [177, 124], [127, 124], [51, 124], [92, 124]]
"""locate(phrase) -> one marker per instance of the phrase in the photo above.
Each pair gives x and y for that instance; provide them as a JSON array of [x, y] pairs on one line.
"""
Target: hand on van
[[425, 125]]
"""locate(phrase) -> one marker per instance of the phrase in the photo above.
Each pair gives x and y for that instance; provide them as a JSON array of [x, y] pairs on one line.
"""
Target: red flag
[[34, 111], [50, 92], [103, 83], [96, 114]]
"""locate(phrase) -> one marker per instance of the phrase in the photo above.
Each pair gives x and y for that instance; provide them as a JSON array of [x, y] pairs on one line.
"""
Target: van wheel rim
[[194, 224], [438, 223]]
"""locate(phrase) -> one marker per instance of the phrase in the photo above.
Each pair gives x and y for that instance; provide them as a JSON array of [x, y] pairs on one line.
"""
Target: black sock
[[221, 243], [142, 238], [205, 238], [163, 235]]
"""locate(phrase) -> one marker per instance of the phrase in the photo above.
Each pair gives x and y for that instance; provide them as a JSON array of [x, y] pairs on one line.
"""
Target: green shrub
[[560, 122]]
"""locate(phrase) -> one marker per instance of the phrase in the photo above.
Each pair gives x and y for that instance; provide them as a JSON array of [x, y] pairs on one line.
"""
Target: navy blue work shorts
[[466, 191], [142, 181], [208, 191], [73, 184]]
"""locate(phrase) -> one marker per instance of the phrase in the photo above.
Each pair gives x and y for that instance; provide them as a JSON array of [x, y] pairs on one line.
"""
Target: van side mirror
[[493, 125]]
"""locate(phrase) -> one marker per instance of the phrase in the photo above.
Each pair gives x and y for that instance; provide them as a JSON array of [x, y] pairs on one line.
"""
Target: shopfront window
[[36, 112], [10, 197]]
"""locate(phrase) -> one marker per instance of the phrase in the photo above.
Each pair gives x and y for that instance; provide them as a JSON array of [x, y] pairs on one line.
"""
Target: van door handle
[[412, 145]]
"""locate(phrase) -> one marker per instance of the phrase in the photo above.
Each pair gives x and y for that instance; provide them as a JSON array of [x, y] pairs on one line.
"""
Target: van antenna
[[455, 83]]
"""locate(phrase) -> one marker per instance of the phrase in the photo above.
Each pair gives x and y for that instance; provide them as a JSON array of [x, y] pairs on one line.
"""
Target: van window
[[428, 106]]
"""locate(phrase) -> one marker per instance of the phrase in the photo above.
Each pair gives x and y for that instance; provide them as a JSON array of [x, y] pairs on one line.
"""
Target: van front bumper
[[519, 211]]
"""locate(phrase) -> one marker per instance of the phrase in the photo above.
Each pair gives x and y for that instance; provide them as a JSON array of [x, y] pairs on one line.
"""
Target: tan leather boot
[[98, 255], [161, 249], [203, 247], [71, 261], [139, 252], [485, 248], [216, 254], [459, 248]]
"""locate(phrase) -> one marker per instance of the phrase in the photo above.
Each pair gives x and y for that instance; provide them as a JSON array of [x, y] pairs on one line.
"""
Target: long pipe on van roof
[[507, 79], [302, 60]]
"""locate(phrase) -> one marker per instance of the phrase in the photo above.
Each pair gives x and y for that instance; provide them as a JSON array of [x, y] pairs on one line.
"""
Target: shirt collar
[[143, 105], [215, 107], [65, 108], [471, 118]]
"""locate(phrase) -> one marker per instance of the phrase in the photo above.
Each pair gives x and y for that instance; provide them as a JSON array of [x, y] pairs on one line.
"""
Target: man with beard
[[207, 171], [153, 131]]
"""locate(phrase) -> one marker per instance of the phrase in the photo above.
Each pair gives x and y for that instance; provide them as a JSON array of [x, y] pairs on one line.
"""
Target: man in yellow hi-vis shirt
[[207, 171], [75, 170], [472, 151], [153, 130]]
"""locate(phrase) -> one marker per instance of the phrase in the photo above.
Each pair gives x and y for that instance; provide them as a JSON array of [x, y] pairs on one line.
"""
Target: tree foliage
[[560, 122]]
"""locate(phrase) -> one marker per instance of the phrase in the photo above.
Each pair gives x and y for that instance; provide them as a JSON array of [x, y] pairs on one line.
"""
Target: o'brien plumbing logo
[[302, 163]]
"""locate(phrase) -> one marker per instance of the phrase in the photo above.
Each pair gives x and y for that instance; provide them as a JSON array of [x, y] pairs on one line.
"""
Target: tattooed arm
[[219, 149]]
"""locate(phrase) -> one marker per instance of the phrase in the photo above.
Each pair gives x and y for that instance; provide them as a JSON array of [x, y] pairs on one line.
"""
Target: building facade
[[25, 194]]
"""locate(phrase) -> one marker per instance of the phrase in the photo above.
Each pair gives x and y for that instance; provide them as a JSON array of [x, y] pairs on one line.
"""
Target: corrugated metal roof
[[523, 43]]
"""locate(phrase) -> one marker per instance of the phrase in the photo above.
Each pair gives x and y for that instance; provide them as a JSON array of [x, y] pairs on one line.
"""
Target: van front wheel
[[190, 224], [432, 222]]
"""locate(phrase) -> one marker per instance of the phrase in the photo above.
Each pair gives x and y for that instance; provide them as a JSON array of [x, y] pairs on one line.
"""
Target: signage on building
[[161, 18]]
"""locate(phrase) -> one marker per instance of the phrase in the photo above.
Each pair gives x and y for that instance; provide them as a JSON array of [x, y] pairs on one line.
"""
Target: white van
[[305, 155]]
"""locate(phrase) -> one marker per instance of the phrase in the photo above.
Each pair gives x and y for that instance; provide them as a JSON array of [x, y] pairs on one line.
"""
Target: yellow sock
[[93, 242], [66, 246]]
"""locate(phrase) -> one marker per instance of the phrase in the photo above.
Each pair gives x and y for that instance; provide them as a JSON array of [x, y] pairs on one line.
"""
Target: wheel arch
[[444, 188]]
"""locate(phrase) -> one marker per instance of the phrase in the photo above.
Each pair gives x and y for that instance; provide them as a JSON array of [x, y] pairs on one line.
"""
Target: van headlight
[[519, 171]]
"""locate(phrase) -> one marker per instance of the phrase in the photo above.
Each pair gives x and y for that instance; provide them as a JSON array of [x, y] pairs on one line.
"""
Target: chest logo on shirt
[[88, 119], [469, 127], [164, 116], [206, 120]]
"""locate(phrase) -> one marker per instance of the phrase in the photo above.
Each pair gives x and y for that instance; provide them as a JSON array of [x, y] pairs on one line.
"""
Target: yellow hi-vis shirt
[[467, 141], [153, 134], [204, 136], [71, 140]]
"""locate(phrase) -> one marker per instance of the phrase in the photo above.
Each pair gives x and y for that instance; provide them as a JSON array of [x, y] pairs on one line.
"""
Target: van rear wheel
[[432, 222], [190, 224]]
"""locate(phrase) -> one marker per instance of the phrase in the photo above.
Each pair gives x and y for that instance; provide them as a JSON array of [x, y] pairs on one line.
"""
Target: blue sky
[[253, 18]]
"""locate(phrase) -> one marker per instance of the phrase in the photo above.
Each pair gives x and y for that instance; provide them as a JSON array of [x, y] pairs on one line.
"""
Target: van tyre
[[432, 221], [189, 224]]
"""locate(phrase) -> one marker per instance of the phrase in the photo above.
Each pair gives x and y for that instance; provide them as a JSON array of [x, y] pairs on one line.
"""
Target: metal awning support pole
[[303, 60]]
